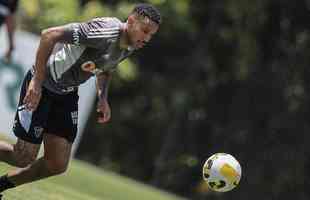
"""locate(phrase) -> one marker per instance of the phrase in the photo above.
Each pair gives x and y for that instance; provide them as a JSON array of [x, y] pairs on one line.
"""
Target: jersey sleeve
[[95, 33]]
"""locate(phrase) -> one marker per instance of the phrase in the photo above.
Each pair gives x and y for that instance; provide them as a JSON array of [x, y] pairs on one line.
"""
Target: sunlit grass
[[83, 181]]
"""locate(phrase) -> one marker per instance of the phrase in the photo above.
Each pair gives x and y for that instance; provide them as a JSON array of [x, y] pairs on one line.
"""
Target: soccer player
[[7, 12], [67, 56]]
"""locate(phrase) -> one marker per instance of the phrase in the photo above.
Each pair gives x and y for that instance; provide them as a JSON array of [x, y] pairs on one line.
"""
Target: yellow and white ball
[[222, 172]]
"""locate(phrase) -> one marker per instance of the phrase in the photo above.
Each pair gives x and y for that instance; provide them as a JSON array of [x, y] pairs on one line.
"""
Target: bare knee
[[56, 153], [23, 162], [56, 167], [24, 154]]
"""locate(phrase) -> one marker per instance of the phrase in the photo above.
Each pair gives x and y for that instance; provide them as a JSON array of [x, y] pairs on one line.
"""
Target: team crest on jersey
[[38, 131], [88, 66]]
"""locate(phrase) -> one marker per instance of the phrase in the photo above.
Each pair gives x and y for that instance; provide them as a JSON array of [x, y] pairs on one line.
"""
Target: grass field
[[85, 182]]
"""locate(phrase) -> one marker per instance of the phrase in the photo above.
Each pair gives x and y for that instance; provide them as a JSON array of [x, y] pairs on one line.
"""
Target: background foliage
[[220, 76]]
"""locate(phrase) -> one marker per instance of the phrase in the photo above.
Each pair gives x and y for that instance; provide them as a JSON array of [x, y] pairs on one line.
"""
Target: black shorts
[[56, 114]]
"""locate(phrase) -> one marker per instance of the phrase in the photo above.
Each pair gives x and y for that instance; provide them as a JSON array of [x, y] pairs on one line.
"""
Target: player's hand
[[103, 110], [33, 95]]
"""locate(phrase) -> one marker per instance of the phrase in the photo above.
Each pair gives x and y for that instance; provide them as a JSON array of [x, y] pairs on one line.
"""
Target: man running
[[67, 56]]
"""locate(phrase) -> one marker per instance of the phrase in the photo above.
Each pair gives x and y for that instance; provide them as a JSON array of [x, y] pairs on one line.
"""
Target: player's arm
[[49, 37], [103, 108], [10, 26], [10, 23]]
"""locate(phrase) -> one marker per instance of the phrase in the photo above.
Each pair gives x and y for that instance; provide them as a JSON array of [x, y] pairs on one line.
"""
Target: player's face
[[140, 31]]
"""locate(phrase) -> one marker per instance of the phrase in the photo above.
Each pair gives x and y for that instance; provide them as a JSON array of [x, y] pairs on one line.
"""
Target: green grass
[[85, 182]]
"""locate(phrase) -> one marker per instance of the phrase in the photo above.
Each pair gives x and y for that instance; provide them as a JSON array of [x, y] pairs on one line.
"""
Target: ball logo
[[230, 173], [88, 66]]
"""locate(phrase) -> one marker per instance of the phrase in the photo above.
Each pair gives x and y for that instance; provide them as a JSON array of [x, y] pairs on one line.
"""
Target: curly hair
[[147, 10]]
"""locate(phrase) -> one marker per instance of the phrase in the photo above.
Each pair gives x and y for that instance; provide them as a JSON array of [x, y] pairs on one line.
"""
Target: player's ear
[[131, 19]]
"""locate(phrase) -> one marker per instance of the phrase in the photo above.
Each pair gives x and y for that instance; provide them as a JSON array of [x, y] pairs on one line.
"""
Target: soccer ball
[[222, 172]]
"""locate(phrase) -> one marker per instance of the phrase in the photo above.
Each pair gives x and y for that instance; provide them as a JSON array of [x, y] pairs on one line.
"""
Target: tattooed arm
[[103, 107]]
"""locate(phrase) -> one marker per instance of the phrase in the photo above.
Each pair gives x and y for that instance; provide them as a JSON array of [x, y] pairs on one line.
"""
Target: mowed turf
[[85, 182]]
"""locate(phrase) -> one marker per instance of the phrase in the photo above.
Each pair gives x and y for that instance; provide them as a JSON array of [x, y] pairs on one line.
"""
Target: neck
[[124, 41]]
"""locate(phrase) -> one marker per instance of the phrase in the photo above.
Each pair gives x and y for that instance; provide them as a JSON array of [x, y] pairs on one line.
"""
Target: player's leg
[[55, 161], [59, 112], [20, 154], [60, 133], [28, 127], [58, 137]]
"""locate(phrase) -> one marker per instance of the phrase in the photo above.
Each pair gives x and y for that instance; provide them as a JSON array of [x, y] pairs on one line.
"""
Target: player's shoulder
[[109, 22]]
